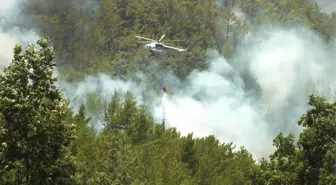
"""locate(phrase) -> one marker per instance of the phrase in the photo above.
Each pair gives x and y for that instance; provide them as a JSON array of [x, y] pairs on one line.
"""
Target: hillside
[[98, 36]]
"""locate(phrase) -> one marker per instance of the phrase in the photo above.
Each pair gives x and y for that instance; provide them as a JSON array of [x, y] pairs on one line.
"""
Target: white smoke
[[327, 6], [101, 87], [217, 104], [287, 66], [6, 49], [11, 29]]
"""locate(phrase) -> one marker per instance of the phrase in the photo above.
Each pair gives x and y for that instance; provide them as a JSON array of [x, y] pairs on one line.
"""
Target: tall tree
[[312, 159], [34, 127], [318, 141]]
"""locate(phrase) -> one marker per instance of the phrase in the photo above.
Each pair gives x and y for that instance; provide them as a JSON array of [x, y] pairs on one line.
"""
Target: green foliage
[[101, 38], [312, 159], [34, 127], [43, 142], [318, 140], [104, 41], [126, 117]]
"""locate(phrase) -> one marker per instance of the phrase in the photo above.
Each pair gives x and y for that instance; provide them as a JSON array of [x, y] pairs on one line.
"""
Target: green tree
[[128, 117], [84, 149], [312, 159], [34, 127], [285, 165], [318, 141], [328, 171]]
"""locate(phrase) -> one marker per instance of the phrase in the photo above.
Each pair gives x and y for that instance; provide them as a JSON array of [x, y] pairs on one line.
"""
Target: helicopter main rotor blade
[[143, 42], [174, 40], [162, 37], [144, 38]]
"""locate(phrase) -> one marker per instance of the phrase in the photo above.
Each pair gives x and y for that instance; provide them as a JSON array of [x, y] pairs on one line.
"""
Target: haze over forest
[[251, 102]]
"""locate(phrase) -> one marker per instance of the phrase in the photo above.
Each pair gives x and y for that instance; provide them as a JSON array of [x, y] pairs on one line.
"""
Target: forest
[[44, 141]]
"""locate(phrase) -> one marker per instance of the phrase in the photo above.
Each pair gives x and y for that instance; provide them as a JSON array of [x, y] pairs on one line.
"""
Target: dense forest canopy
[[44, 141], [98, 36]]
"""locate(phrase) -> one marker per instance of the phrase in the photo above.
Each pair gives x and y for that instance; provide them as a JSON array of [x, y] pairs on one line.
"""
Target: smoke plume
[[14, 28], [247, 101], [286, 65], [95, 92], [327, 6]]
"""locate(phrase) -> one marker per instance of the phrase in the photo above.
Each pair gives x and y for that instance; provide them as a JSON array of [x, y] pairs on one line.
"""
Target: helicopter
[[158, 46]]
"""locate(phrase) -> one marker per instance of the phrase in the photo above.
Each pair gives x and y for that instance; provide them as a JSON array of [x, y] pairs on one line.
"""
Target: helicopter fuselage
[[155, 46]]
